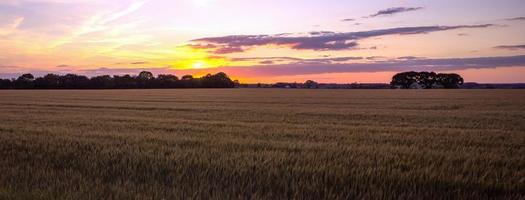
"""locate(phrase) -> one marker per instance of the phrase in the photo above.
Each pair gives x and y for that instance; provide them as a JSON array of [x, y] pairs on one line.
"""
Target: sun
[[186, 57], [198, 65]]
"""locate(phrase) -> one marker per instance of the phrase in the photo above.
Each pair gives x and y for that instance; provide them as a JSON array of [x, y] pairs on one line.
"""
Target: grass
[[262, 144]]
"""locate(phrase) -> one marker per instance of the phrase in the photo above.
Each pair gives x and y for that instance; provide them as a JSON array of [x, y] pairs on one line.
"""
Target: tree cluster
[[142, 80], [309, 84], [426, 80]]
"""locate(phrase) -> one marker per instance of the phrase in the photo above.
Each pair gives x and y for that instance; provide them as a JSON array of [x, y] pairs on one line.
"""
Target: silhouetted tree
[[311, 84], [219, 80], [124, 82], [26, 77], [102, 82], [5, 84], [405, 79], [145, 75], [166, 81], [73, 81], [187, 77], [145, 79], [49, 81], [236, 83], [450, 81], [188, 81], [426, 80], [25, 81]]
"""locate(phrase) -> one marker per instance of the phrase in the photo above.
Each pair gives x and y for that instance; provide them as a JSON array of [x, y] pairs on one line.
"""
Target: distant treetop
[[426, 80], [144, 79]]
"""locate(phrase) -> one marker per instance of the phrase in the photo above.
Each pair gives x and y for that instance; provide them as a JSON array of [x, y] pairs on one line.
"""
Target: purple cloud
[[266, 58], [291, 60], [409, 58], [266, 62], [319, 41], [228, 50], [516, 19], [392, 11], [511, 47]]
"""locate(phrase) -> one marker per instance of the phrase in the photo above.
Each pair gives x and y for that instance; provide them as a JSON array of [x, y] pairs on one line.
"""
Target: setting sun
[[198, 65]]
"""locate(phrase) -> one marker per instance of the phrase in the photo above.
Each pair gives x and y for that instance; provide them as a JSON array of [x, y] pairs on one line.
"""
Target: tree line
[[146, 80], [426, 80], [143, 80]]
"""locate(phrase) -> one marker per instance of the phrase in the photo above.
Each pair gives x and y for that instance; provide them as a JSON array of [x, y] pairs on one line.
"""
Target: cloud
[[511, 47], [8, 67], [516, 19], [228, 50], [265, 58], [130, 9], [409, 58], [292, 60], [395, 10], [319, 41], [16, 23], [139, 63], [321, 32], [11, 27], [101, 26], [202, 46], [266, 62], [121, 71], [20, 2], [348, 20], [327, 60], [376, 58]]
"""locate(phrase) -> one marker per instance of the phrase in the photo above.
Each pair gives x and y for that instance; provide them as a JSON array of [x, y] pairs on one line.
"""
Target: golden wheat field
[[262, 144]]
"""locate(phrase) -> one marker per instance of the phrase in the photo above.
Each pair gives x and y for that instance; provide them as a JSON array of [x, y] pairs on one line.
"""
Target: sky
[[330, 41]]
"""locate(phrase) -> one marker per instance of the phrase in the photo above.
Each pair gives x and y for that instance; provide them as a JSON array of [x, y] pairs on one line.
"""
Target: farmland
[[262, 144]]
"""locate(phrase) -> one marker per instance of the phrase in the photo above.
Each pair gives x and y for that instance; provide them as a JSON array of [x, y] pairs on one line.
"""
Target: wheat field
[[262, 144]]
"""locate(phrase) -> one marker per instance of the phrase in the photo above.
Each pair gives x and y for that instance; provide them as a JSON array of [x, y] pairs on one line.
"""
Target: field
[[262, 144]]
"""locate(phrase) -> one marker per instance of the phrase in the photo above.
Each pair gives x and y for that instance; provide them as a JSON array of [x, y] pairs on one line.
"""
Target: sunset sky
[[331, 41]]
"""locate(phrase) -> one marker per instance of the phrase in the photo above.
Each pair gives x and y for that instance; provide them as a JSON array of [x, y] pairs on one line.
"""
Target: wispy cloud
[[511, 47], [101, 23], [516, 19], [115, 16], [11, 27], [139, 63], [292, 60], [8, 67], [395, 10]]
